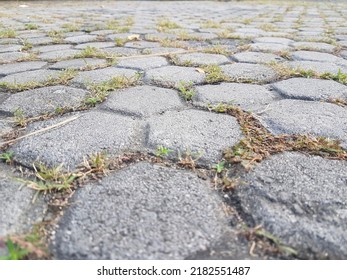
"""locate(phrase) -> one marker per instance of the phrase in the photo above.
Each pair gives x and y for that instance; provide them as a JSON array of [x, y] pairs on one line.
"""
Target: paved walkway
[[173, 130]]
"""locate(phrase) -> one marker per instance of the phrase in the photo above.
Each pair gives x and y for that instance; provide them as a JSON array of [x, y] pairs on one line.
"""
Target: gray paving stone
[[102, 75], [306, 117], [247, 72], [143, 63], [195, 131], [143, 101], [122, 51], [300, 199], [173, 216], [316, 56], [160, 36], [314, 46], [79, 63], [92, 132], [29, 76], [162, 50], [98, 45], [173, 76], [271, 47], [142, 44], [80, 39], [43, 100], [256, 57], [275, 40], [17, 211], [318, 67], [12, 68], [40, 41], [311, 89], [58, 55], [248, 97], [51, 48], [10, 48], [197, 59], [12, 56]]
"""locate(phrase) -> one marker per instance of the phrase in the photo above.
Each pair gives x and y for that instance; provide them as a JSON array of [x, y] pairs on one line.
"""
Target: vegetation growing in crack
[[99, 91], [214, 74], [92, 52], [186, 90]]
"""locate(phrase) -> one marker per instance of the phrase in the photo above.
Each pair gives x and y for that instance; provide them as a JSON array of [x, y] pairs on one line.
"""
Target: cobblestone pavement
[[173, 130]]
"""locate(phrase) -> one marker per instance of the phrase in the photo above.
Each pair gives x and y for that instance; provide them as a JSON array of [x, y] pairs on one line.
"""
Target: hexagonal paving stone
[[51, 48], [58, 55], [318, 67], [144, 211], [10, 48], [92, 132], [247, 72], [317, 56], [271, 47], [274, 40], [12, 68], [12, 56], [142, 44], [97, 45], [143, 101], [18, 213], [78, 63], [306, 117], [248, 97], [101, 75], [196, 59], [196, 131], [311, 89], [301, 200], [43, 100], [38, 76], [80, 39], [173, 76], [314, 46], [256, 57], [143, 63]]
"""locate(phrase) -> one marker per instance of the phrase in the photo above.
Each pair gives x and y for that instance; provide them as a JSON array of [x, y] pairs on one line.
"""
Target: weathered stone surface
[[317, 56], [256, 57], [92, 132], [314, 46], [12, 56], [143, 101], [143, 63], [122, 51], [144, 211], [10, 48], [58, 55], [142, 44], [195, 131], [101, 75], [30, 76], [306, 117], [271, 47], [197, 59], [12, 68], [97, 45], [247, 72], [173, 76], [51, 48], [300, 199], [43, 100], [311, 89], [318, 67], [80, 39], [18, 213], [79, 63], [248, 97], [274, 40]]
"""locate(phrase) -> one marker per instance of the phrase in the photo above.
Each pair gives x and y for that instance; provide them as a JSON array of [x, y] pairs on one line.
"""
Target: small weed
[[186, 90], [8, 33], [31, 26], [26, 45], [120, 42], [7, 157], [19, 118], [268, 27], [163, 151], [99, 91], [15, 252], [211, 24], [219, 167], [189, 159], [217, 49], [246, 21], [117, 27], [92, 52], [164, 24], [70, 27], [167, 43], [339, 77], [96, 163], [214, 74]]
